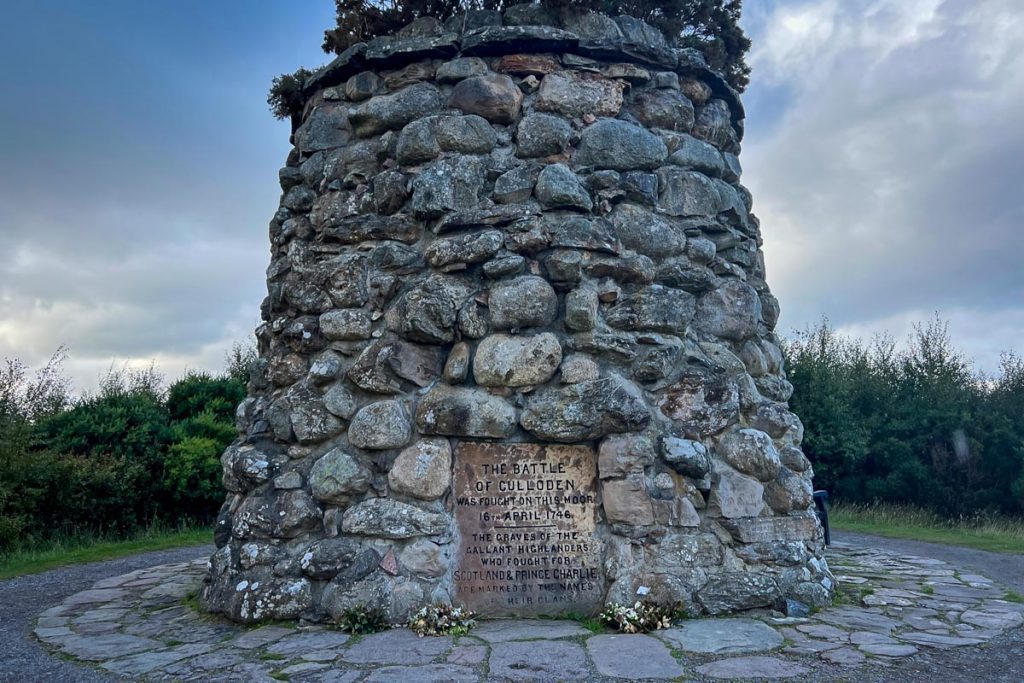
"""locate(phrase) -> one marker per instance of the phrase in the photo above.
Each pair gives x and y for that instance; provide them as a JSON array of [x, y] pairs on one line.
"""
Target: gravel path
[[22, 658]]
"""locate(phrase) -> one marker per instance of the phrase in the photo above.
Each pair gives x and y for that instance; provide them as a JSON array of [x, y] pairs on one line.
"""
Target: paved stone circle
[[144, 626]]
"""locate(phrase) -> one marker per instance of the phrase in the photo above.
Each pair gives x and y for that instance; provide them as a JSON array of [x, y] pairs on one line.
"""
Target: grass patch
[[272, 657], [982, 532], [1013, 596], [927, 590], [81, 548]]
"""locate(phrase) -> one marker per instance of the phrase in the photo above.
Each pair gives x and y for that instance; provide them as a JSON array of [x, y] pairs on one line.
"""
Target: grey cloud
[[891, 181]]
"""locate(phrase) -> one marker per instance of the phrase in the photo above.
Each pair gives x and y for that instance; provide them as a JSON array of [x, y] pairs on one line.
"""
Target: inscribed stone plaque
[[526, 516]]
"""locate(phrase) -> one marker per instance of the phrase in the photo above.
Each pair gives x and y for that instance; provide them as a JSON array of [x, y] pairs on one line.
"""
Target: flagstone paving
[[891, 609]]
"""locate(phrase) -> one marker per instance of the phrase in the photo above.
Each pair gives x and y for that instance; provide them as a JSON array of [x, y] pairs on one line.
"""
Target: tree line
[[915, 425], [134, 454]]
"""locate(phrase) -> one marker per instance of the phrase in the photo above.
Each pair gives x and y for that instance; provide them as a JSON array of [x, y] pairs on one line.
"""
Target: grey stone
[[697, 155], [324, 559], [588, 410], [312, 422], [723, 636], [456, 411], [516, 361], [417, 143], [456, 368], [469, 248], [362, 86], [301, 643], [735, 495], [646, 232], [687, 193], [281, 514], [538, 661], [425, 673], [578, 367], [622, 146], [275, 598], [397, 646], [391, 112], [288, 480], [572, 95], [581, 306], [526, 301], [424, 558], [326, 128], [469, 134], [340, 401], [626, 501], [336, 476], [752, 668], [752, 452], [661, 108], [685, 456], [428, 311], [244, 467], [100, 647], [714, 124], [632, 657], [578, 232], [701, 404], [887, 649], [732, 311], [733, 591], [558, 187], [495, 97], [788, 492], [936, 640], [422, 470], [456, 70], [144, 662], [623, 454], [502, 265], [388, 518], [541, 135], [380, 425], [451, 184], [655, 308], [516, 185], [506, 630]]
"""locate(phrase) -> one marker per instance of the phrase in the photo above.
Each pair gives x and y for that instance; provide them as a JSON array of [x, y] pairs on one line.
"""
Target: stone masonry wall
[[518, 228]]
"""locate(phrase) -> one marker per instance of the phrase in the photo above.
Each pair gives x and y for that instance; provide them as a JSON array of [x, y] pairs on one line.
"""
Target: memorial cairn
[[518, 349]]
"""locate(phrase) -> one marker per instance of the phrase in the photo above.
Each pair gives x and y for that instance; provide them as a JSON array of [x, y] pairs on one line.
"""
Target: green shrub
[[917, 426], [362, 620]]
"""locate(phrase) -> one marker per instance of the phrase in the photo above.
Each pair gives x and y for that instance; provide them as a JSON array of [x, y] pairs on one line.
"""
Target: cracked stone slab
[[428, 673], [467, 654], [260, 637], [505, 630], [295, 645], [844, 656], [541, 660], [723, 636], [632, 657], [397, 646], [936, 640], [752, 667], [103, 647]]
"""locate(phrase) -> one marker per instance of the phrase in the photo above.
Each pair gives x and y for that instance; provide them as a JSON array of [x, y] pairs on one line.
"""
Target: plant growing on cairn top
[[712, 26]]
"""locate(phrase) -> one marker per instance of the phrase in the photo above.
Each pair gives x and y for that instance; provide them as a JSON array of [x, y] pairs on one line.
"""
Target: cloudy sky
[[139, 163]]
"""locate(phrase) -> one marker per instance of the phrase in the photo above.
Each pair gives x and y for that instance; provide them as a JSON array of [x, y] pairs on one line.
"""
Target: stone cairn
[[516, 229]]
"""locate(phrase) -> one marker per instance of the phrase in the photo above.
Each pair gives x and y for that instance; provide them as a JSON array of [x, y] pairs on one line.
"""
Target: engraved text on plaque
[[526, 516]]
